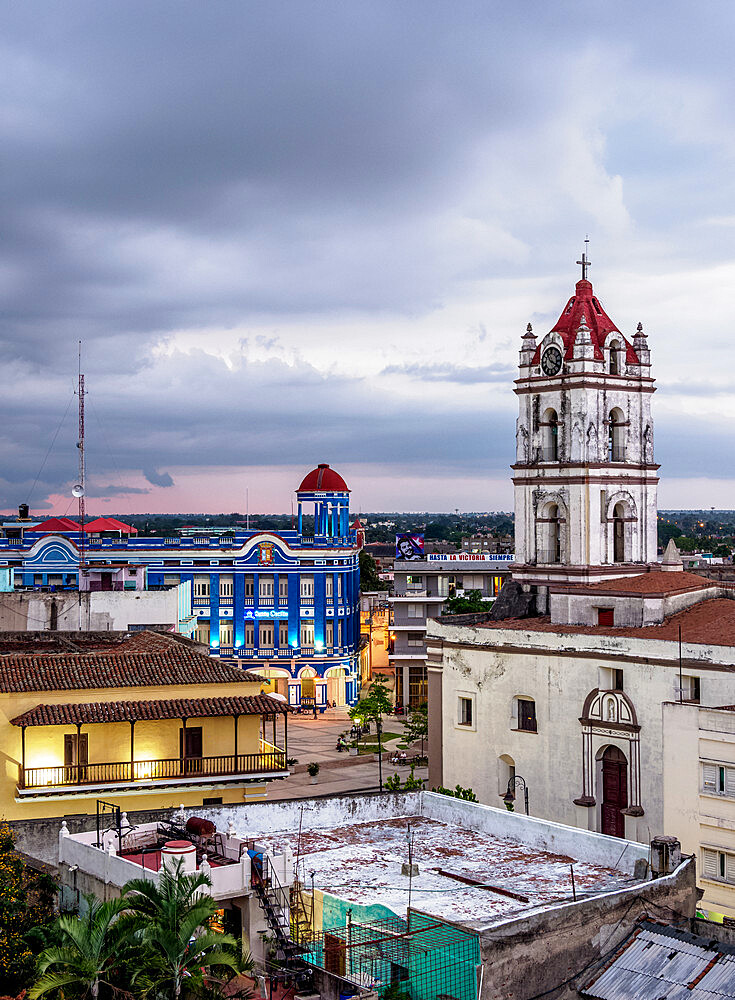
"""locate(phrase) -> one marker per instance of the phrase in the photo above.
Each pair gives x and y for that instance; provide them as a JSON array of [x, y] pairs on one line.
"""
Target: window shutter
[[709, 863], [730, 782], [730, 867], [709, 778]]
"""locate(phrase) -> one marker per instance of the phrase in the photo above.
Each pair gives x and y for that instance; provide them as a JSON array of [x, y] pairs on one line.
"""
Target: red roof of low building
[[657, 583], [585, 303], [711, 622], [323, 479], [134, 711], [140, 659], [110, 524], [56, 524]]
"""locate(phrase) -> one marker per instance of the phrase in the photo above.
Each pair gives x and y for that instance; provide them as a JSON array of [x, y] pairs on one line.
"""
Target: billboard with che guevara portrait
[[409, 547]]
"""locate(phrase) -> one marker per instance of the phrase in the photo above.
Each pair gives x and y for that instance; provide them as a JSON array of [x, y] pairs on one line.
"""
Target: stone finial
[[64, 831], [583, 331], [672, 561], [230, 829], [205, 865], [528, 346]]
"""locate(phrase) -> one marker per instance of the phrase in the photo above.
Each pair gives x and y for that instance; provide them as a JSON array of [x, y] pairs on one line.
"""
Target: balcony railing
[[146, 771], [306, 602], [265, 602]]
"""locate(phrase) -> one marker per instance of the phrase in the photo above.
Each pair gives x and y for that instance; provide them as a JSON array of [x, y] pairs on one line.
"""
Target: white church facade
[[567, 702]]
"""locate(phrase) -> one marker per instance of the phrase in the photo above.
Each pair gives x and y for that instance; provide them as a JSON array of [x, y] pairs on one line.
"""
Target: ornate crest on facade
[[265, 554]]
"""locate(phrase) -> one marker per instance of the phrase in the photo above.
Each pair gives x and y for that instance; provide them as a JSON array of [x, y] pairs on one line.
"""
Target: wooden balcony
[[148, 773]]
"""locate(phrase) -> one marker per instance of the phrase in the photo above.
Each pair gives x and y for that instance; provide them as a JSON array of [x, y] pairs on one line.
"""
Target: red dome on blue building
[[323, 479]]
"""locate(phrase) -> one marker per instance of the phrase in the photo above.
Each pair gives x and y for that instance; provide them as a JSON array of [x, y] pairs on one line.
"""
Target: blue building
[[285, 604]]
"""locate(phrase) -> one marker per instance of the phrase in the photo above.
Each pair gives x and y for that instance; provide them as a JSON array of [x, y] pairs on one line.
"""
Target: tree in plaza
[[174, 918], [376, 703], [417, 725]]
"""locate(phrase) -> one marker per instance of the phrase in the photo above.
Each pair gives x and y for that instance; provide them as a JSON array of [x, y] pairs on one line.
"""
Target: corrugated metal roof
[[665, 964]]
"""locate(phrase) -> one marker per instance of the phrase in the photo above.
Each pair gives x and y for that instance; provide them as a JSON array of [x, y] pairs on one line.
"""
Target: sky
[[299, 231]]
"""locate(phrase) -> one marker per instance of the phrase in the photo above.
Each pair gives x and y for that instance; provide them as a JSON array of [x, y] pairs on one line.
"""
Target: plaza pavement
[[312, 739]]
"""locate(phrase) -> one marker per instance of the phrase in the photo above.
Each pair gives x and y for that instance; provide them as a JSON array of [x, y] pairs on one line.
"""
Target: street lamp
[[509, 797]]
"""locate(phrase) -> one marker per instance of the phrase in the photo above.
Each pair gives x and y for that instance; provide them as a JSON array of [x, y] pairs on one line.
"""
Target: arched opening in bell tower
[[614, 366], [619, 533], [550, 426], [551, 534], [616, 436]]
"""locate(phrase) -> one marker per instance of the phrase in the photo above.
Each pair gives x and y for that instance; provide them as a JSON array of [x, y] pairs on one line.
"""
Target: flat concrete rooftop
[[362, 862], [477, 864]]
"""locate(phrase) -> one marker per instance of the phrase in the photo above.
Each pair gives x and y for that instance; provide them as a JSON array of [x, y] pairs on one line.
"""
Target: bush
[[458, 792]]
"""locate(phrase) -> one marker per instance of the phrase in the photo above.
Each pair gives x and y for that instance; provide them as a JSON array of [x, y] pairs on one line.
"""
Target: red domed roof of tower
[[585, 302], [323, 479]]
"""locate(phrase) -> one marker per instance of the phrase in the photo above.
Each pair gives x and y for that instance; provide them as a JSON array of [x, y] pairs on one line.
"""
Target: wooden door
[[614, 791], [193, 748]]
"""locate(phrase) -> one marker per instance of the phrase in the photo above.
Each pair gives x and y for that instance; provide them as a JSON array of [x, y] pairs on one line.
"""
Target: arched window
[[616, 436], [550, 427], [619, 533], [615, 358]]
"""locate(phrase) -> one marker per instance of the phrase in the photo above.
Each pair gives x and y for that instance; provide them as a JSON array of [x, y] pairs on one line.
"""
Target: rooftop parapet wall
[[582, 845]]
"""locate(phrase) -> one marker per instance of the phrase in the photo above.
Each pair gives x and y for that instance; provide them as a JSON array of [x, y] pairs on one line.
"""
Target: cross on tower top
[[585, 262]]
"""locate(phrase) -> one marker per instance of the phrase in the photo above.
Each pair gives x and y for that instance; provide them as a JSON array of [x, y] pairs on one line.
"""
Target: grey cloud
[[158, 478], [178, 166]]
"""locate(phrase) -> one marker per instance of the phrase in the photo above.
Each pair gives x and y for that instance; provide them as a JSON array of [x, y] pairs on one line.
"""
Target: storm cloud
[[289, 233]]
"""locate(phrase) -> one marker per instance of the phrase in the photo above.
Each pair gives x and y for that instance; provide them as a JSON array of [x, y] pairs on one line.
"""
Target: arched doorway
[[614, 791], [336, 686]]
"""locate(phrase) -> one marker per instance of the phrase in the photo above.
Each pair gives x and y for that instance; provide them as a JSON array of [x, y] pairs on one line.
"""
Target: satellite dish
[[77, 490]]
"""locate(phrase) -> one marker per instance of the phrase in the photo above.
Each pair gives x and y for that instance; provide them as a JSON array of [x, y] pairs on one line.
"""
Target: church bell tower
[[584, 476]]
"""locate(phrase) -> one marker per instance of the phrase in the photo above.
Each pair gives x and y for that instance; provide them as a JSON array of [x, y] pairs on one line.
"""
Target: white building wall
[[558, 672]]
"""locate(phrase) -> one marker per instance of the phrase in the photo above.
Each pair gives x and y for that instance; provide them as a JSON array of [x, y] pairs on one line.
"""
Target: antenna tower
[[82, 484]]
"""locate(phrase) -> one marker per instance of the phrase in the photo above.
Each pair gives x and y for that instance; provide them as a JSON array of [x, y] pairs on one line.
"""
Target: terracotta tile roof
[[656, 582], [710, 623], [134, 711], [140, 659]]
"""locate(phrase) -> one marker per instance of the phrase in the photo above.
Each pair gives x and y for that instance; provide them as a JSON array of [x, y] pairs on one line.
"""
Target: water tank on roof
[[200, 827], [23, 512]]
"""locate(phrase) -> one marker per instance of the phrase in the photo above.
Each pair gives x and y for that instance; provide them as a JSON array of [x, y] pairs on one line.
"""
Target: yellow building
[[699, 796], [144, 717]]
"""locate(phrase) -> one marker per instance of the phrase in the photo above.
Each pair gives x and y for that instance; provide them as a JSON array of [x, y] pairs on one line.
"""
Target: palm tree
[[92, 948], [175, 930]]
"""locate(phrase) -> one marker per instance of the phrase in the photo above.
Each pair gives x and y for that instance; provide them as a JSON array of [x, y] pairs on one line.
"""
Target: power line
[[50, 449]]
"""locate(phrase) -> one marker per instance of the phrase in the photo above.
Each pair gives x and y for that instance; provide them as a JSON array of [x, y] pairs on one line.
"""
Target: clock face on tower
[[551, 361]]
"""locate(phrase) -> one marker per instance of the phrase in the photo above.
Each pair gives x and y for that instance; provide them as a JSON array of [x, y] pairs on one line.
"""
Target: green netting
[[421, 961], [335, 910]]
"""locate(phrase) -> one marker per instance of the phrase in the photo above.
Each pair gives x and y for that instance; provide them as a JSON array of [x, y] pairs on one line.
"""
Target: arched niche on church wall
[[609, 719]]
